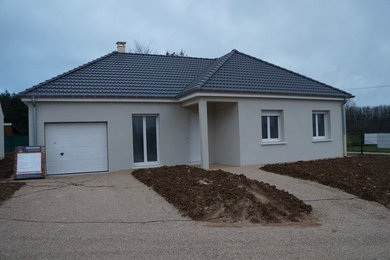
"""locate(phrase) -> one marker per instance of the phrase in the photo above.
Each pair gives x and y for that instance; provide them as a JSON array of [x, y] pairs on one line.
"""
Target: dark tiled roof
[[160, 76]]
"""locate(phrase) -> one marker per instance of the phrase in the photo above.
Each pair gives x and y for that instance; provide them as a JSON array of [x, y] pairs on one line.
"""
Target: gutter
[[34, 118], [343, 115]]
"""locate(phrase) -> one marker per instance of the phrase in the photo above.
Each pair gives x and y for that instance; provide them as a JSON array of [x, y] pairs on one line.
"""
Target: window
[[270, 126], [145, 139], [320, 124]]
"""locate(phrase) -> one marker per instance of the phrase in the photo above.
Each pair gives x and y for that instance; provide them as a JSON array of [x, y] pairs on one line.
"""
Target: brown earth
[[367, 177], [7, 166], [7, 189], [222, 196]]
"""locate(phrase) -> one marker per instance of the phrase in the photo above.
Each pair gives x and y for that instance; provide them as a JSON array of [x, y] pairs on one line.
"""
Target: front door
[[145, 139]]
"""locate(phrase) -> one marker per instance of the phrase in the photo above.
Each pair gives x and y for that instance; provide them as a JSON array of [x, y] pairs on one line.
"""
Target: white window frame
[[326, 124], [268, 114], [145, 162]]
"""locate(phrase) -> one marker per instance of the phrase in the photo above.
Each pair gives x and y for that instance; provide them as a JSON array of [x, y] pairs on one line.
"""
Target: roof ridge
[[209, 74], [293, 72], [66, 73], [164, 55]]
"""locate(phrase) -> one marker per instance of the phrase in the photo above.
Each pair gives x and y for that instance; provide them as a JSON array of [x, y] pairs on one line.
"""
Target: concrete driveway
[[112, 215]]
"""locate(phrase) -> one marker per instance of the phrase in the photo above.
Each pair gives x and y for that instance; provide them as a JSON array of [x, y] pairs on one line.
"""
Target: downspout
[[344, 128], [34, 118]]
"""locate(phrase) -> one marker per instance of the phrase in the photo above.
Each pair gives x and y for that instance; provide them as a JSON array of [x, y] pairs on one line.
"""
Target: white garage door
[[76, 147]]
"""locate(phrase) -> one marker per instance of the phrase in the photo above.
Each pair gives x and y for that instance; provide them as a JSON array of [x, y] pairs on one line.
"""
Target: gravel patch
[[112, 215]]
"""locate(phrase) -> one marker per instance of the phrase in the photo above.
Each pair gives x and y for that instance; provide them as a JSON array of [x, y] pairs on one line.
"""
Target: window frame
[[144, 136], [269, 114], [316, 136]]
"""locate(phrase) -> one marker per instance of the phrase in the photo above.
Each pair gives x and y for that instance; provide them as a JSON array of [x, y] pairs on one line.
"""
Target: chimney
[[121, 46]]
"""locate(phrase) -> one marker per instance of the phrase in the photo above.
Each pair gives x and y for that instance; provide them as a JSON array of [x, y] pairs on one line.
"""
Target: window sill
[[322, 140], [273, 143], [146, 165]]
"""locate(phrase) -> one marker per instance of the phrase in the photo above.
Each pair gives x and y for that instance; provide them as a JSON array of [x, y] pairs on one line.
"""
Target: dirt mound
[[6, 171], [7, 166], [367, 177], [205, 195]]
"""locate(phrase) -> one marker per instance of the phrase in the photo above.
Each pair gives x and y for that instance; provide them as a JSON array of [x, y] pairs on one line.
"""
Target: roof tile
[[144, 75]]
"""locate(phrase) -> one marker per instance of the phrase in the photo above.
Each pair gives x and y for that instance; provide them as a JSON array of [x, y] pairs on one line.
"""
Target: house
[[126, 110], [1, 133]]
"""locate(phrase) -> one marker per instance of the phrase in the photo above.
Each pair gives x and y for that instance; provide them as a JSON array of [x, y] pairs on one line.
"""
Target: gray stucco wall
[[211, 116], [224, 145], [296, 131], [234, 129], [1, 133], [173, 127], [227, 140]]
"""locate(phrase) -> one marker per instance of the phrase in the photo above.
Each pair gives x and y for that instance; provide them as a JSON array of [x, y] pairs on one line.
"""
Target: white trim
[[268, 114], [144, 139], [326, 123], [104, 100], [174, 100], [194, 95], [273, 143], [146, 163], [322, 140]]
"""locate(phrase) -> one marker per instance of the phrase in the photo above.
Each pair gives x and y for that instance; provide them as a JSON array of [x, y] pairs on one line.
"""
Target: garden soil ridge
[[221, 196], [367, 176]]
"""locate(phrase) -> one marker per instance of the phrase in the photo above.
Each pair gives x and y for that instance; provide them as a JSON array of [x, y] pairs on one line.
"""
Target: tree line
[[15, 111], [367, 119], [143, 48]]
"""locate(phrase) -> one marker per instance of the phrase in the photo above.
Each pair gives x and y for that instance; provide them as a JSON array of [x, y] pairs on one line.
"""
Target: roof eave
[[96, 96], [184, 95]]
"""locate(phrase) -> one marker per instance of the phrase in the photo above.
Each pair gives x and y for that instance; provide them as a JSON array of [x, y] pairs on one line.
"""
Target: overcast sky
[[345, 44]]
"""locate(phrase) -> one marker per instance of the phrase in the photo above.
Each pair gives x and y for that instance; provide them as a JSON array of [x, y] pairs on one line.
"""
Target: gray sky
[[342, 43]]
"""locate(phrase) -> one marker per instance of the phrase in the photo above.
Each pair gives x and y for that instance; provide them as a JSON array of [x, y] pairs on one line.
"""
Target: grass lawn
[[368, 148]]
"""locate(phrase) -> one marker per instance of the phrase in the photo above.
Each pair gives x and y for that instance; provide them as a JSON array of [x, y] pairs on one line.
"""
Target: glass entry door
[[145, 141]]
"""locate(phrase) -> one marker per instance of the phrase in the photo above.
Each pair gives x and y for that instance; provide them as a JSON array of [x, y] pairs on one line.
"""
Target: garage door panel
[[76, 147]]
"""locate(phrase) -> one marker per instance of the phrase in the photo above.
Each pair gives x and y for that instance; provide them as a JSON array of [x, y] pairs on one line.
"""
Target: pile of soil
[[7, 166], [7, 189], [222, 196], [367, 177]]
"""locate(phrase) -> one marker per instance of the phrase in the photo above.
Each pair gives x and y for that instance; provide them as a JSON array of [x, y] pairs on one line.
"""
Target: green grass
[[368, 148]]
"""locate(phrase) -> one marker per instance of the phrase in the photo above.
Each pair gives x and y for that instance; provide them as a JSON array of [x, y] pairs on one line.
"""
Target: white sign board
[[28, 163]]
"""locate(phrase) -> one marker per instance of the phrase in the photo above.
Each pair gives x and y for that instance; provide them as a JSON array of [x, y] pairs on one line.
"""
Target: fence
[[10, 142], [369, 142]]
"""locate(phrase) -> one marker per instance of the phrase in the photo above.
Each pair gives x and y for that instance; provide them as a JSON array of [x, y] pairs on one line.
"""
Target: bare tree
[[141, 48], [181, 53]]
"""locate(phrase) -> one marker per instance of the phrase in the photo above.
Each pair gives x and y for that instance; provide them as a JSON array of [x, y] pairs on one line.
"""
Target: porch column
[[204, 139]]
